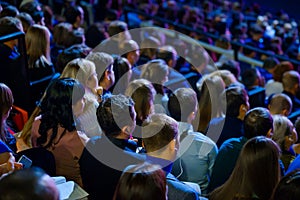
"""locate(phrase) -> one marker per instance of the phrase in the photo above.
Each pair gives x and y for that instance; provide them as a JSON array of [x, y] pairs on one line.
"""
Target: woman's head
[[143, 181], [57, 106], [6, 102], [284, 132], [122, 70], [37, 43], [83, 70], [142, 93]]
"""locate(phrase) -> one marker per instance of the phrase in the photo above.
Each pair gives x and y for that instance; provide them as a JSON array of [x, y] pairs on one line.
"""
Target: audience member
[[280, 104], [156, 71], [201, 151], [291, 85], [143, 181], [283, 134], [74, 15], [268, 68], [104, 68], [26, 20], [55, 128], [32, 183], [288, 187], [161, 141], [130, 50], [255, 174], [257, 122], [104, 158], [231, 126], [95, 34]]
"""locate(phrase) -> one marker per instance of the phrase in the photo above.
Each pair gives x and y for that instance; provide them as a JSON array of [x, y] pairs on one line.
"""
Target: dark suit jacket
[[101, 166]]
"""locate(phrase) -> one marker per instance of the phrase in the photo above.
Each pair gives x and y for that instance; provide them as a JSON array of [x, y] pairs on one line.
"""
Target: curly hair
[[56, 108]]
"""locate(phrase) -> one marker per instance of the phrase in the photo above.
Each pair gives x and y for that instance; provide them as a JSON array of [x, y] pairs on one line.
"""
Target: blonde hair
[[37, 41], [80, 69]]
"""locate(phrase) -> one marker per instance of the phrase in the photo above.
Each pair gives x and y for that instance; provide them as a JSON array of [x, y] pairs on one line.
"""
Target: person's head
[[10, 25], [6, 102], [291, 81], [95, 34], [252, 77], [232, 66], [168, 54], [122, 70], [156, 71], [10, 11], [142, 181], [37, 43], [34, 9], [256, 172], [61, 32], [26, 20], [104, 68], [289, 187], [142, 92], [270, 63], [280, 104], [149, 47], [67, 55], [258, 121], [74, 15], [131, 51], [26, 184], [237, 102], [62, 102], [284, 132], [119, 27], [183, 104], [160, 136], [116, 116], [280, 69], [83, 70]]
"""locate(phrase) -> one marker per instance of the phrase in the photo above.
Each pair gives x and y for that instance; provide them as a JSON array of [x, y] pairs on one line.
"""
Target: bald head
[[280, 104], [291, 81]]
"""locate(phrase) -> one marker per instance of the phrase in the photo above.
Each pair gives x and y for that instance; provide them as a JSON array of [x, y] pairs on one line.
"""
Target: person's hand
[[9, 167]]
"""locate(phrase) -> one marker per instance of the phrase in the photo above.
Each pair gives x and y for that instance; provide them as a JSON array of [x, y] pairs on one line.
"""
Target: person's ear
[[107, 74]]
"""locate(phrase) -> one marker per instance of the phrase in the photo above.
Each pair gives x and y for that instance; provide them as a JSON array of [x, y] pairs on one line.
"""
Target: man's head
[[130, 50], [183, 105], [160, 136], [280, 104], [32, 183], [237, 102], [116, 116], [168, 54], [8, 26], [291, 81], [258, 121], [119, 27], [104, 68]]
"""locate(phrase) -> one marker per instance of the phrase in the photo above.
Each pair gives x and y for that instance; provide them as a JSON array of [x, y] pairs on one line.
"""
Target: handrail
[[236, 55], [11, 36]]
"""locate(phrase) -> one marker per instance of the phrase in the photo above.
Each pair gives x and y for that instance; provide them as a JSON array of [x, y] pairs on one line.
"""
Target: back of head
[[10, 11], [290, 79], [142, 92], [149, 46], [143, 181], [288, 187], [158, 132], [270, 63], [61, 32], [6, 99], [235, 97], [71, 14], [258, 121], [231, 66], [116, 27], [280, 104], [249, 77], [166, 53], [114, 113], [10, 25], [28, 184], [280, 69], [182, 103], [102, 61], [282, 127], [155, 71]]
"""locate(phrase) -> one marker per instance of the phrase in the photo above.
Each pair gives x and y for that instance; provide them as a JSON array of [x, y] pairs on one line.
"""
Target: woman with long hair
[[55, 129], [256, 172]]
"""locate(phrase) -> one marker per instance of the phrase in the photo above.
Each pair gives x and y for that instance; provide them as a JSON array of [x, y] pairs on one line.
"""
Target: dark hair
[[95, 34], [10, 11], [116, 27], [270, 63], [6, 102], [120, 66], [249, 77], [256, 172], [27, 184], [33, 8], [231, 66], [158, 132], [235, 97], [289, 187], [143, 181], [182, 103], [114, 113], [9, 25], [258, 121], [71, 13], [56, 108]]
